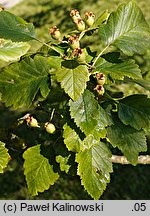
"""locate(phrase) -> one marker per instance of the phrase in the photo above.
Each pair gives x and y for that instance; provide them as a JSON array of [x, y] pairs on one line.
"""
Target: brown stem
[[142, 159]]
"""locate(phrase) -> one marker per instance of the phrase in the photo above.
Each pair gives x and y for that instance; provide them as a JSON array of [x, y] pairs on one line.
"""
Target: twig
[[142, 159], [99, 55], [50, 46]]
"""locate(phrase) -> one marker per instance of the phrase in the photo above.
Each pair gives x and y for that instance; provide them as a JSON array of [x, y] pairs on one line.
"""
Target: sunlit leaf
[[63, 163], [20, 82], [127, 29], [94, 166], [39, 173], [71, 139], [4, 157], [12, 51], [73, 78]]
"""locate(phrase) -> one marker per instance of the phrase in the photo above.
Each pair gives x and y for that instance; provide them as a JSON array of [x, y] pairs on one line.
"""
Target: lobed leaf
[[134, 110], [12, 51], [4, 157], [127, 29], [20, 82], [15, 28], [94, 166], [73, 78], [39, 173], [128, 140], [120, 70], [89, 115], [63, 163]]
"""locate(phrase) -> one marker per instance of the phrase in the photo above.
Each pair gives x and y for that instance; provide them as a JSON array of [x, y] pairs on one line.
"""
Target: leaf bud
[[75, 15], [32, 122], [100, 89], [80, 25], [79, 54], [74, 42], [55, 33], [89, 18], [100, 78], [50, 128]]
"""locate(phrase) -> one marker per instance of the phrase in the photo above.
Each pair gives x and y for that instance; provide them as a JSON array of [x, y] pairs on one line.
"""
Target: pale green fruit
[[32, 122], [50, 128]]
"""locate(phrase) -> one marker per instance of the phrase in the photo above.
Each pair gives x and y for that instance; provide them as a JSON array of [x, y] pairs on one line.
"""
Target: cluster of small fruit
[[74, 40], [32, 122], [100, 82]]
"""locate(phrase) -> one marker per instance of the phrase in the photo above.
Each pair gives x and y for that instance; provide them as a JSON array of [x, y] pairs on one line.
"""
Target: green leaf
[[39, 173], [120, 70], [54, 62], [21, 82], [11, 51], [4, 157], [127, 29], [63, 163], [73, 78], [15, 28], [128, 140], [94, 166], [144, 83], [134, 110], [71, 139], [88, 115]]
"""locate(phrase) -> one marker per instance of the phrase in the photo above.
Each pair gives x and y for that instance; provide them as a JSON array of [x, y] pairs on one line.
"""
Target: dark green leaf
[[15, 28], [120, 70], [94, 166], [134, 110], [21, 82], [39, 173], [88, 115], [128, 140], [144, 83], [127, 29], [112, 57], [73, 78]]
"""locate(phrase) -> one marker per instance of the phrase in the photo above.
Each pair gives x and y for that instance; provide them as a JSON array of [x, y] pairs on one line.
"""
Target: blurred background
[[127, 182]]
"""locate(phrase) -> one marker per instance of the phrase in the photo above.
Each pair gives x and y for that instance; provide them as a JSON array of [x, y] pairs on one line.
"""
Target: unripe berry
[[74, 42], [55, 33], [80, 25], [100, 89], [100, 78], [89, 18], [75, 15], [79, 54], [32, 122], [50, 128]]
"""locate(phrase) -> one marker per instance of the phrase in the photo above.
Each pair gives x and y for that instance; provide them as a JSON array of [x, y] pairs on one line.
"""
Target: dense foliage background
[[127, 182]]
